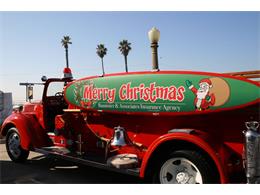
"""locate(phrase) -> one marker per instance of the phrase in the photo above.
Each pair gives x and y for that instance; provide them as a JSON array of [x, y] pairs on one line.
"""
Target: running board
[[63, 153]]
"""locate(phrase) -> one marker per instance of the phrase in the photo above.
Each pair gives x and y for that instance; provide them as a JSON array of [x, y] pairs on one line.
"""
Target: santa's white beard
[[202, 94]]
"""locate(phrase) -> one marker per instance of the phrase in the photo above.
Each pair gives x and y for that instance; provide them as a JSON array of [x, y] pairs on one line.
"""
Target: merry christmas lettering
[[149, 93]]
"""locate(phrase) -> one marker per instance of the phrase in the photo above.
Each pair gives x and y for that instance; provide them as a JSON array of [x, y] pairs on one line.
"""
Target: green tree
[[101, 52], [124, 48], [65, 43]]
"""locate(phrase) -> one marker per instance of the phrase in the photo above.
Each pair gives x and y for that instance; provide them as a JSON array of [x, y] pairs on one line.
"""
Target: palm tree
[[101, 52], [124, 48], [65, 43]]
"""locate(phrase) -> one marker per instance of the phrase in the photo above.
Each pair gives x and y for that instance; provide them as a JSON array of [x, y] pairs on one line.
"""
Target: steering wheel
[[59, 94]]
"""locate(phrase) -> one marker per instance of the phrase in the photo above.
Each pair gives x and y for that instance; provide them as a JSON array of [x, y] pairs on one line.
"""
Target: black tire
[[13, 147], [186, 166]]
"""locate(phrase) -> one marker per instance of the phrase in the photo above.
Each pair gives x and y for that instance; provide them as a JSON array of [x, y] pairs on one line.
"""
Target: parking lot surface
[[43, 169]]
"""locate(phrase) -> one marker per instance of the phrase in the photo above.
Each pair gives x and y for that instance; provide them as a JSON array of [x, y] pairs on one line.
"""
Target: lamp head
[[154, 35]]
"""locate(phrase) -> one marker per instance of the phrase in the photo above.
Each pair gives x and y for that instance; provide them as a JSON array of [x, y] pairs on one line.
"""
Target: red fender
[[31, 133], [188, 138]]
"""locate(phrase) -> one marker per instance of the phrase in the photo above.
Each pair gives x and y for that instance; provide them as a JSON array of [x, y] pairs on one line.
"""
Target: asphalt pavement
[[40, 169]]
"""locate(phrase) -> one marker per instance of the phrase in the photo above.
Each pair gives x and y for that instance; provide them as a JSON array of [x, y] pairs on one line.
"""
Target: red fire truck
[[164, 126]]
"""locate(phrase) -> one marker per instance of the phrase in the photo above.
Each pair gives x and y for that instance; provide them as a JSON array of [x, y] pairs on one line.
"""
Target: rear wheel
[[184, 167], [13, 146]]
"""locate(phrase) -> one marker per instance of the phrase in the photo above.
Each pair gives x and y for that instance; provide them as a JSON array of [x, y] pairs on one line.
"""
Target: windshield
[[55, 87]]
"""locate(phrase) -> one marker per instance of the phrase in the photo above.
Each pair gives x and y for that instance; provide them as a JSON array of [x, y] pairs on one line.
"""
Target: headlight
[[17, 108]]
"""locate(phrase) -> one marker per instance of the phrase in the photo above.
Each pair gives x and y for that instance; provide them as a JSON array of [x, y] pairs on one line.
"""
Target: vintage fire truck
[[163, 126]]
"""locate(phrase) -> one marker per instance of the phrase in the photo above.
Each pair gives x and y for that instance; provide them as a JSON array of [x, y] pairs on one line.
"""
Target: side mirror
[[44, 78], [30, 93]]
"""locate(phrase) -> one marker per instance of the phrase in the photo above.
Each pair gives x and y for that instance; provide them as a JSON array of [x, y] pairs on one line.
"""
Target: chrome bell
[[119, 138]]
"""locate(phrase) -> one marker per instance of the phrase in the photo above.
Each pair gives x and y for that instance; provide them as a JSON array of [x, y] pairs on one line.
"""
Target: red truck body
[[82, 132]]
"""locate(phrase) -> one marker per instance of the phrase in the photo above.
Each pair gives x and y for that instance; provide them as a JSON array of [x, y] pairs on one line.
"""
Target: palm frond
[[65, 41], [124, 47], [101, 50]]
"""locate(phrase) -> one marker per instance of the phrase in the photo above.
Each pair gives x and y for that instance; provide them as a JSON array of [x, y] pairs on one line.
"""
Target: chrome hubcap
[[14, 145], [182, 177], [179, 171]]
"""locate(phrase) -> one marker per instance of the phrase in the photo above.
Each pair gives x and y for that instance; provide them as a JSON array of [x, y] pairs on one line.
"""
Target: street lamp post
[[154, 36]]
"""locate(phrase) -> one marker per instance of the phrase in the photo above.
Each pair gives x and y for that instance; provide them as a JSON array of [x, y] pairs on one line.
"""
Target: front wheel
[[13, 146], [184, 167]]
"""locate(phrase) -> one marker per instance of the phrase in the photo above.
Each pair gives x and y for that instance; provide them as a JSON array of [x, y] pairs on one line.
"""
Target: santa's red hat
[[207, 81]]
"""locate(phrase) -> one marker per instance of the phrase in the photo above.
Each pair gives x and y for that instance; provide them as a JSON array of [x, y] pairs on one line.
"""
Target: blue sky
[[200, 41]]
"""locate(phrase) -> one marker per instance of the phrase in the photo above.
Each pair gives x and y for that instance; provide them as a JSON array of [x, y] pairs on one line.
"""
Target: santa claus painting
[[204, 99]]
